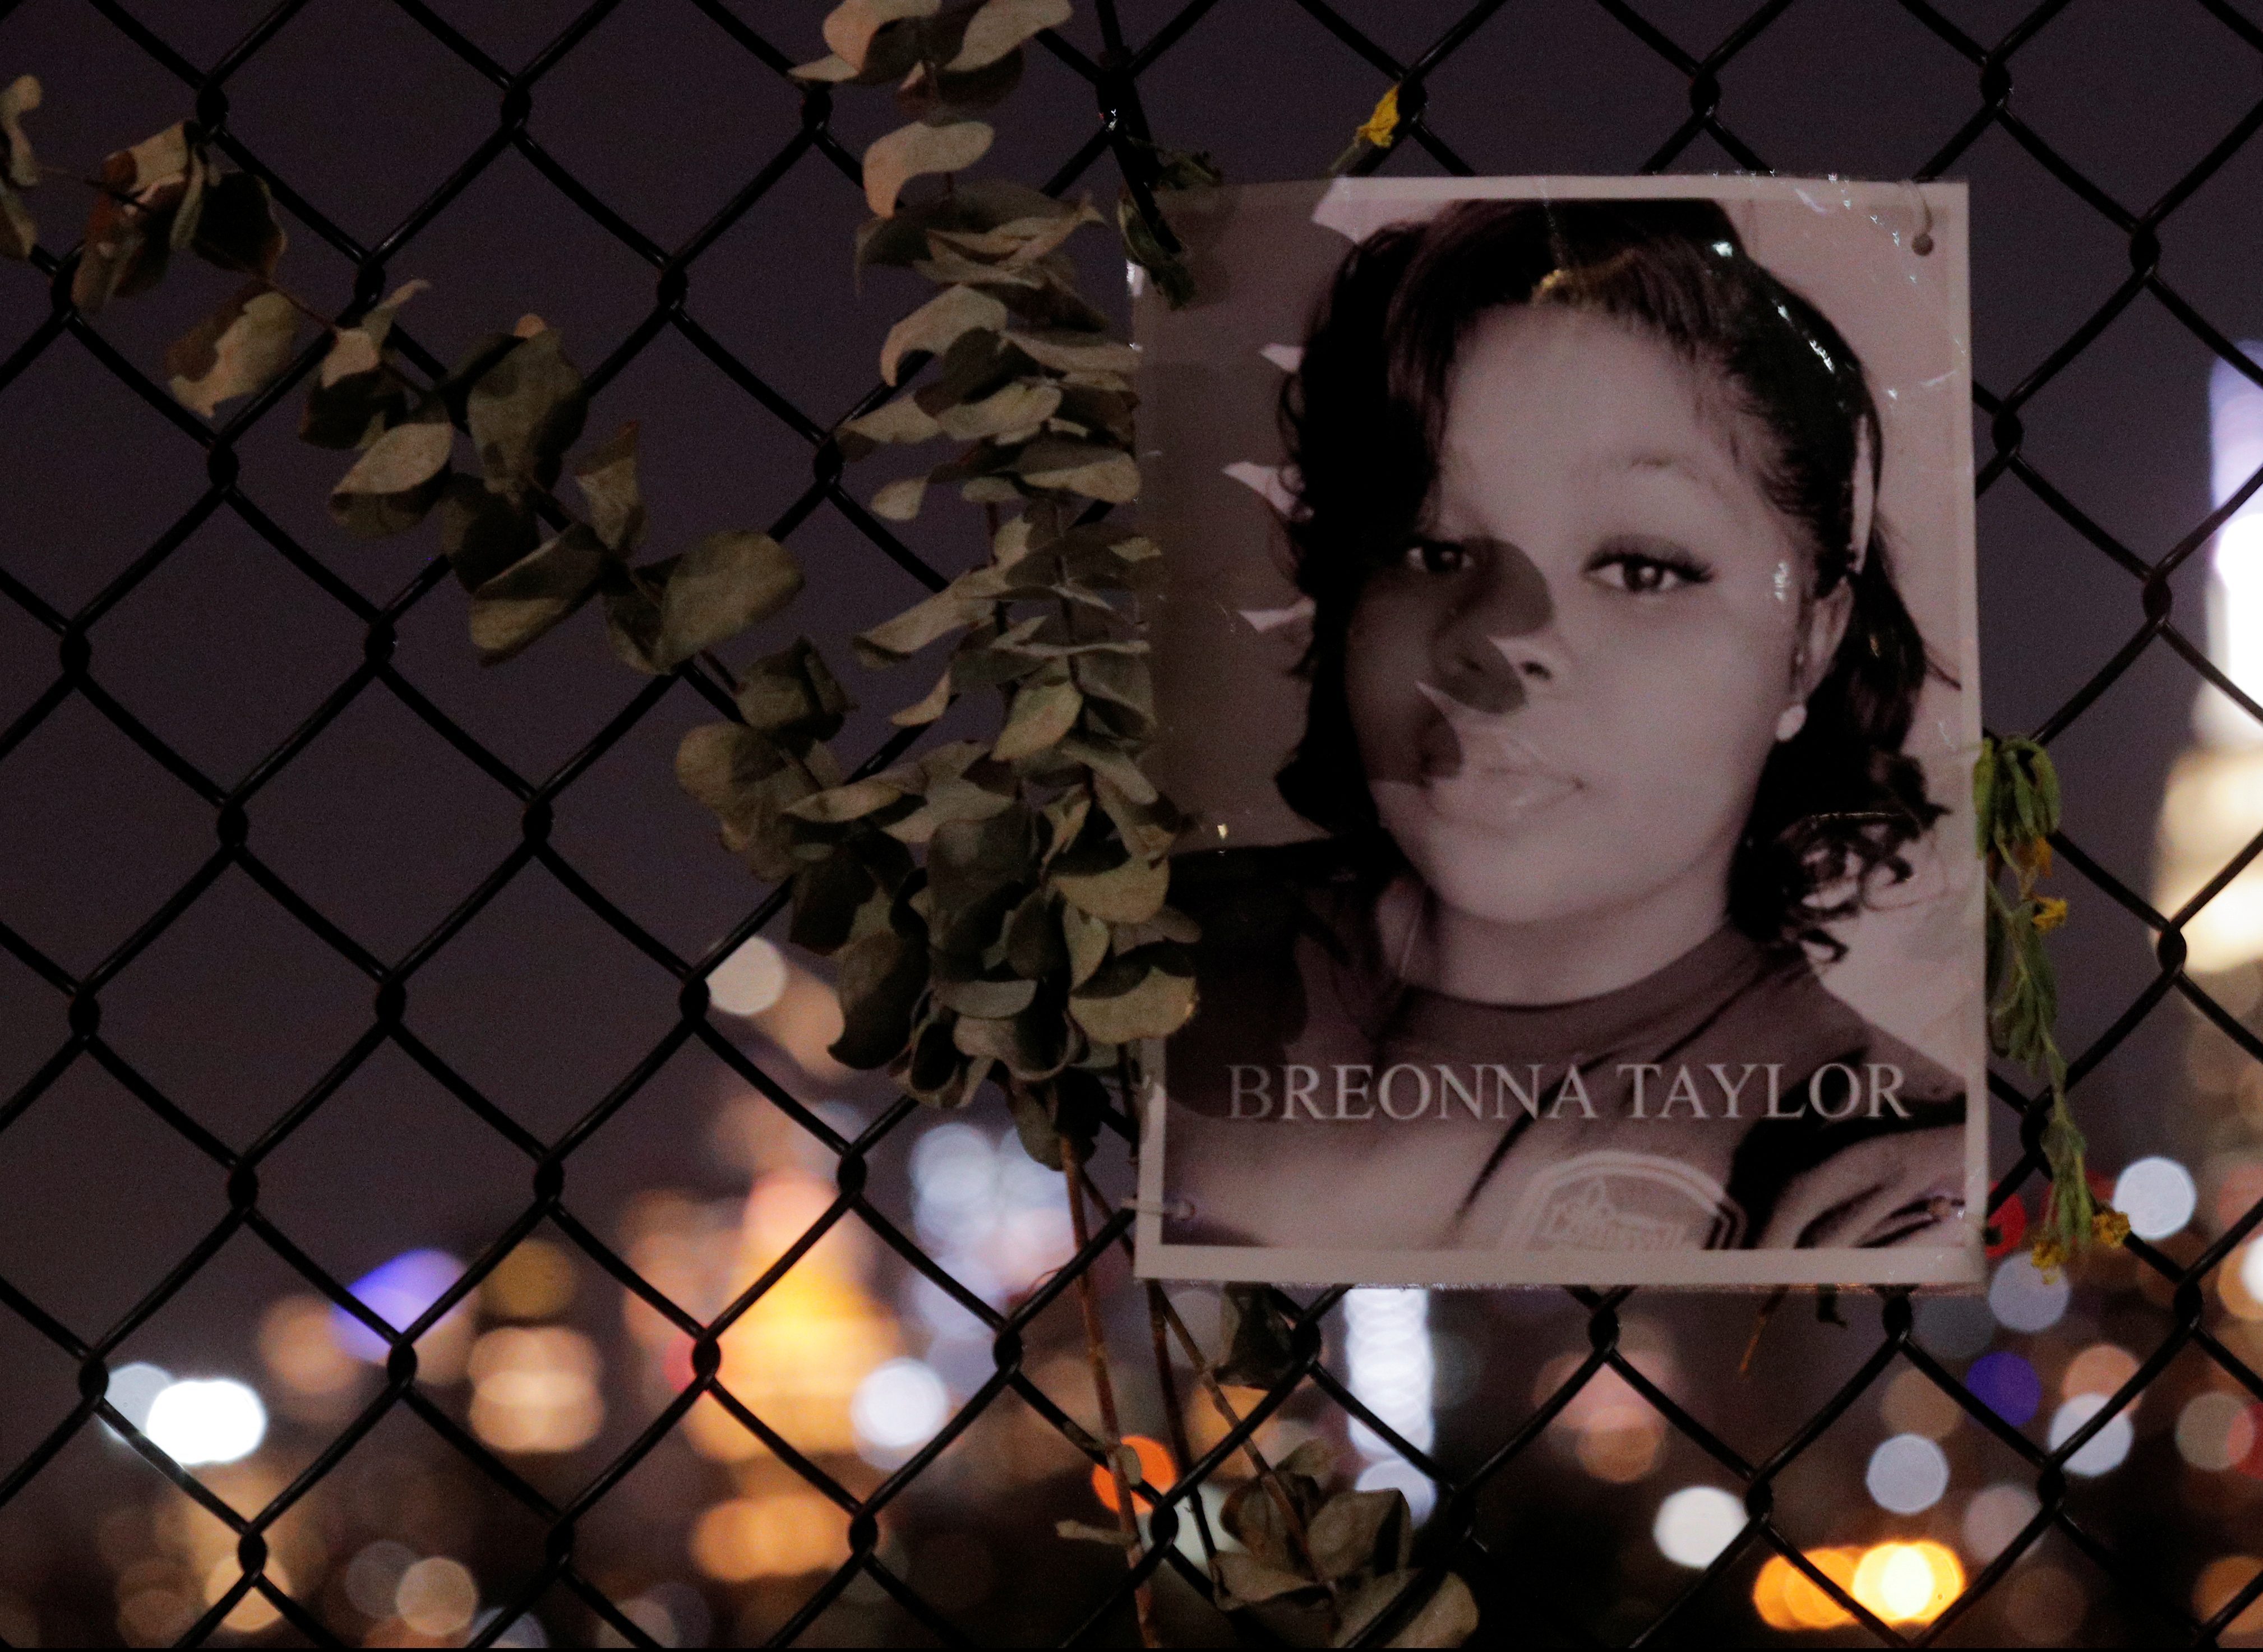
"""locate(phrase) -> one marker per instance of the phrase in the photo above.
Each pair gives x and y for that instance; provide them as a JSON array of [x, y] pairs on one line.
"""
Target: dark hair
[[1364, 413]]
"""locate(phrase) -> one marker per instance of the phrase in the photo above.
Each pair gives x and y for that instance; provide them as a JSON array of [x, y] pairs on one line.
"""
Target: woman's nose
[[1500, 646]]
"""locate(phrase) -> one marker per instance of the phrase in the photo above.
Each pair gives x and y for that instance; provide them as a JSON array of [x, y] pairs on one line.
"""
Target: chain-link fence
[[1935, 88]]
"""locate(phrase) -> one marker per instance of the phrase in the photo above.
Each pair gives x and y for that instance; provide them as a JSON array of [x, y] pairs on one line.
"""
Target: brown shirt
[[1727, 1100]]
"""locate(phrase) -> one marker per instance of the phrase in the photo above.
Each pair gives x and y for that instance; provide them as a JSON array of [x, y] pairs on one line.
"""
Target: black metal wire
[[1453, 1541]]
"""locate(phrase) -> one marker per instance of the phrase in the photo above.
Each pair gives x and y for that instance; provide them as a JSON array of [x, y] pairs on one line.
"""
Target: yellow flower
[[2050, 1256], [2050, 912], [2109, 1226], [1383, 126]]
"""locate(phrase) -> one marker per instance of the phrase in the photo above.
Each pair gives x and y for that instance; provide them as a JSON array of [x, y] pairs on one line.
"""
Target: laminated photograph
[[1567, 661]]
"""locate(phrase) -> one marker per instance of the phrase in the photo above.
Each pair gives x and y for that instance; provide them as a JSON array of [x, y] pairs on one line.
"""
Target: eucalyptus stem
[[1103, 1387], [1159, 1307]]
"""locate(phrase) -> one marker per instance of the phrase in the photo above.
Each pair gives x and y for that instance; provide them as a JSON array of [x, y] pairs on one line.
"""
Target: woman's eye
[[1437, 556], [1643, 576]]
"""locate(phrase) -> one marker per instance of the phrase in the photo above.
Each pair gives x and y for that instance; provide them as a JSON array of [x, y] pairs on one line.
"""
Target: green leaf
[[1043, 712], [607, 477], [1002, 25], [238, 350], [525, 412], [393, 485], [1157, 1004], [1131, 893], [719, 586], [937, 324], [912, 151], [527, 598], [792, 695], [882, 977], [19, 165], [977, 872], [1106, 473], [1112, 763], [237, 230]]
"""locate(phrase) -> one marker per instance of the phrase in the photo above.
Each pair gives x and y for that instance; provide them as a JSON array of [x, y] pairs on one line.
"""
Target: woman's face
[[1565, 691]]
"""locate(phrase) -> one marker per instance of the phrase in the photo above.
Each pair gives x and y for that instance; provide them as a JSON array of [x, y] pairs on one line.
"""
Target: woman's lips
[[1478, 772]]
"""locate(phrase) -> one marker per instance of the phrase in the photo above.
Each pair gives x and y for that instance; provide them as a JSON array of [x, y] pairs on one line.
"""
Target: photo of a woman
[[1608, 680]]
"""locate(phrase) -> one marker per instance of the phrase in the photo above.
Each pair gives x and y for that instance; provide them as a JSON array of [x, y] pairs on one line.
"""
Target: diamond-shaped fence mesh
[[456, 934]]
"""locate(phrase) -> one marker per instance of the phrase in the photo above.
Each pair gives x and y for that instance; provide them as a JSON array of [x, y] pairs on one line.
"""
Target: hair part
[[1363, 421]]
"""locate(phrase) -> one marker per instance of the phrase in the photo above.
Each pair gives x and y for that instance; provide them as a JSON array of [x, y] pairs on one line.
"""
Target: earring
[[1794, 720]]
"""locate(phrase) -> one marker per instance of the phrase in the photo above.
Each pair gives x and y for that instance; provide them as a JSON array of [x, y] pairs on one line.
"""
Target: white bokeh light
[[134, 1388], [1387, 1356], [1907, 1473], [215, 1421], [750, 980], [2157, 1196], [2022, 1299], [1996, 1516], [897, 1410], [1696, 1524], [2251, 1270], [2107, 1449]]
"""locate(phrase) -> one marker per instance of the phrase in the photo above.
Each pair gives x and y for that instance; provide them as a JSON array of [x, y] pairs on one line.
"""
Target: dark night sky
[[226, 647]]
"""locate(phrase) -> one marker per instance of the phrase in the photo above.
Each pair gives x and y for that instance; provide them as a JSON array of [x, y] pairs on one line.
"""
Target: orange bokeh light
[[1156, 1469]]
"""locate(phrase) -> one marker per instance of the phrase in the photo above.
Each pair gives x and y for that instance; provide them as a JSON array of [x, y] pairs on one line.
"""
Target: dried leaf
[[237, 229], [898, 639], [882, 978], [1106, 473], [147, 194], [1261, 1352], [849, 27], [1043, 712], [481, 531], [393, 485], [1250, 1581], [746, 781], [899, 501], [902, 420], [524, 411], [1087, 938], [607, 477], [937, 324], [19, 232], [1013, 408], [912, 151], [357, 394], [21, 96], [1157, 1005], [719, 586], [936, 702], [1360, 1531], [792, 695], [527, 598], [238, 350], [1129, 893], [852, 801], [1080, 1532], [1002, 25], [826, 70], [1447, 1619], [1075, 352], [1022, 241], [985, 1000]]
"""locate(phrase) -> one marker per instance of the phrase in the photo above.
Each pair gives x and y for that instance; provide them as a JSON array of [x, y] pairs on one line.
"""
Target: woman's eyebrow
[[1705, 475]]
